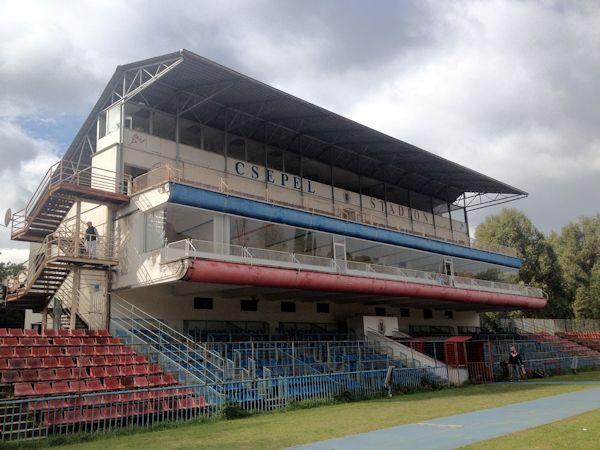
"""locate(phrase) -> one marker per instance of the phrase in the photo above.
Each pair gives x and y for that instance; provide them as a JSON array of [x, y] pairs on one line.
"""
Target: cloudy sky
[[509, 88]]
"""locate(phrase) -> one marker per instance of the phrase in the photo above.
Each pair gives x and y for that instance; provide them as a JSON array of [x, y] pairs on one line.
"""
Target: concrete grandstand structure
[[245, 234]]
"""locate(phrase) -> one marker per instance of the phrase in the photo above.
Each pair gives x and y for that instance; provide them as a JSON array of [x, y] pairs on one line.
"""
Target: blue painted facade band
[[193, 196]]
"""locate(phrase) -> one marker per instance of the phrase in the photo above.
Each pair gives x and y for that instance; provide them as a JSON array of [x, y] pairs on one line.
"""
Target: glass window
[[137, 117], [292, 163], [236, 148], [372, 188], [113, 121], [190, 133], [255, 153], [214, 141], [275, 158], [345, 180], [155, 230], [203, 303], [289, 307], [420, 202], [316, 171], [396, 195], [163, 126], [101, 125], [248, 305]]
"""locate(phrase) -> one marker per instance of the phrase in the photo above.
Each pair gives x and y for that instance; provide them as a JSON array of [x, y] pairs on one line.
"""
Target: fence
[[141, 408]]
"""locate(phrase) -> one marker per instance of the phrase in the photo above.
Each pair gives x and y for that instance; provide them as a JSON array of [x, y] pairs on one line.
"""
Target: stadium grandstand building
[[243, 234], [225, 206]]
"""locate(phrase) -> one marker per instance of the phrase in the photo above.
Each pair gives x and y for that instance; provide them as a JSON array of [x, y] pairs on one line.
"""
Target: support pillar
[[75, 297], [77, 231]]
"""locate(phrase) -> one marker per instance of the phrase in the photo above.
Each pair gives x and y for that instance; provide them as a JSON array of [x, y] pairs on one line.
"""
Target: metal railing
[[71, 173], [141, 327], [56, 247], [166, 172], [193, 248], [40, 417]]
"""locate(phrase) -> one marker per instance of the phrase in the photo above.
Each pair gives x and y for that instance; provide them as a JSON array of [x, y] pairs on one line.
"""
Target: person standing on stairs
[[91, 236]]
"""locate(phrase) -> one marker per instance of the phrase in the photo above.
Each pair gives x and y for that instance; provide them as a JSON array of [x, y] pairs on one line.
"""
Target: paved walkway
[[463, 429]]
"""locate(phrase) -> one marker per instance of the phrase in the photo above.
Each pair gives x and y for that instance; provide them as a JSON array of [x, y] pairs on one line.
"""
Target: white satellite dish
[[7, 217]]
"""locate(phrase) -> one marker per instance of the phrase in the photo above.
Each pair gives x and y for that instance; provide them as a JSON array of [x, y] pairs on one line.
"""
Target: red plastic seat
[[155, 380], [7, 352], [60, 387], [154, 369], [39, 352], [28, 341], [74, 341], [29, 375], [15, 332], [42, 389], [127, 371], [88, 350], [73, 351], [10, 376], [169, 379], [22, 352], [47, 375], [63, 374], [23, 390], [94, 385], [190, 403], [113, 371], [140, 359], [129, 360], [84, 361], [99, 360], [113, 384], [80, 333], [60, 341], [34, 363], [102, 350], [140, 382], [114, 341], [98, 372], [140, 369], [17, 363], [50, 362], [57, 403], [79, 372], [102, 333], [4, 363], [66, 361], [49, 332], [111, 360], [30, 332], [41, 341], [55, 351], [3, 332], [62, 332], [77, 386], [10, 341]]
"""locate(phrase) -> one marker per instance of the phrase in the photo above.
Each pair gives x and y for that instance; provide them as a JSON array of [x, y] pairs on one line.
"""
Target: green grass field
[[288, 428]]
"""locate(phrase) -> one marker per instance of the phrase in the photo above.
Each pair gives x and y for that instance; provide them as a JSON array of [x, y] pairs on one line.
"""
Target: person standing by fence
[[91, 237], [515, 361]]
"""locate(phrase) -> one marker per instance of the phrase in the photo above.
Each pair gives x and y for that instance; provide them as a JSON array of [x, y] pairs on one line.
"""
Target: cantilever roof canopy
[[202, 90]]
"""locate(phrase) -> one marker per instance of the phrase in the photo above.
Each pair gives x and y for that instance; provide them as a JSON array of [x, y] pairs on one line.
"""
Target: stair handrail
[[179, 337], [74, 173]]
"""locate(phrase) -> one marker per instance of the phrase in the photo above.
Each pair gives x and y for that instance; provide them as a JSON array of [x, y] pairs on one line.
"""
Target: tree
[[10, 318], [578, 250], [540, 265]]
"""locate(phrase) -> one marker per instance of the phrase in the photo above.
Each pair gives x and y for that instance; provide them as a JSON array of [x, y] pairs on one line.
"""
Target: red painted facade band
[[207, 271]]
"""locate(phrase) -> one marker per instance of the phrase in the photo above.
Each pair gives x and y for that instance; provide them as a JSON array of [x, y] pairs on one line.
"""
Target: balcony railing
[[193, 248], [216, 180]]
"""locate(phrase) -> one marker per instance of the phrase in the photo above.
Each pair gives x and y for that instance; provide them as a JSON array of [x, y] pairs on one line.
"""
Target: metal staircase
[[59, 253], [63, 184]]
